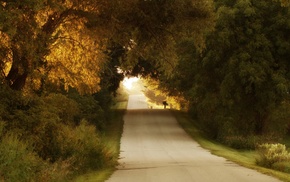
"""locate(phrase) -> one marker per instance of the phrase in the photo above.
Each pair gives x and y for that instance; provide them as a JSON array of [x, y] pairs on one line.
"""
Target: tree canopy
[[64, 41]]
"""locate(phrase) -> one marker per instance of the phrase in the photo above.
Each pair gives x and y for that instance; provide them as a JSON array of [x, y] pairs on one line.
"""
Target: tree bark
[[15, 79], [19, 82]]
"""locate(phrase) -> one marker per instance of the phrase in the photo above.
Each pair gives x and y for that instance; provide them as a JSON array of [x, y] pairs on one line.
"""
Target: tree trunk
[[19, 82], [260, 123], [16, 80], [18, 73]]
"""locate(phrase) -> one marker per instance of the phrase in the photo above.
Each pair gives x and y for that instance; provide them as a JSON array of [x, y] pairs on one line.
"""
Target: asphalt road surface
[[154, 148]]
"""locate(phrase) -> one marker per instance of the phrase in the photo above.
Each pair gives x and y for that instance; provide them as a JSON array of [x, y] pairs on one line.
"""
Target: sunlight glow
[[128, 82]]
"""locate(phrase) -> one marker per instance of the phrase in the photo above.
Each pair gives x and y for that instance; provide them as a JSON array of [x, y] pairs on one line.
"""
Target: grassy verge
[[243, 158], [111, 140]]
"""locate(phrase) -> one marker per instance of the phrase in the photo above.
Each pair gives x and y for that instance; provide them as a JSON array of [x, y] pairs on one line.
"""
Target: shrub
[[18, 162], [37, 120], [90, 109], [104, 98], [59, 171], [282, 166], [61, 144], [82, 143], [241, 142], [271, 154], [247, 142], [67, 109], [37, 123]]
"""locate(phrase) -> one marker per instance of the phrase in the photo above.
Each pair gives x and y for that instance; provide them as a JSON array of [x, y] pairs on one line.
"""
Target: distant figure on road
[[165, 104]]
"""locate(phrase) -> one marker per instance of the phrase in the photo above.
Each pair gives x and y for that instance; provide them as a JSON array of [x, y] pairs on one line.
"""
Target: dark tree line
[[238, 86]]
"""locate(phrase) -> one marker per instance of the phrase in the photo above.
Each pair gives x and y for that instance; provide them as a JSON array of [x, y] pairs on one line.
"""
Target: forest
[[225, 62]]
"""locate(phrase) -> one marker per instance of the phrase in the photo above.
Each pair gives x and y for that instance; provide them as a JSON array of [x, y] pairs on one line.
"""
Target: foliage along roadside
[[111, 140], [110, 137], [50, 137], [246, 158]]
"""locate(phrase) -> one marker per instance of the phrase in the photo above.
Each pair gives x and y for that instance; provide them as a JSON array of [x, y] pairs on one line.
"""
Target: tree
[[241, 79], [254, 81], [110, 74], [38, 29], [156, 27], [63, 40]]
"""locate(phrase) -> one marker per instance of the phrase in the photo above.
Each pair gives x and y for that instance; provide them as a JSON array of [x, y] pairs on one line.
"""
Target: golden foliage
[[156, 95], [66, 38], [75, 58], [5, 54]]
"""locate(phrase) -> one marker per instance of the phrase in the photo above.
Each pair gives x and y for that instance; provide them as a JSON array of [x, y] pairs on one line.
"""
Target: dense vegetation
[[226, 62], [50, 137], [237, 88], [60, 67]]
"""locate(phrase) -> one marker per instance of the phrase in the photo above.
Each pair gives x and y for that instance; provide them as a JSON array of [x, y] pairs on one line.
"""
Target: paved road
[[154, 148]]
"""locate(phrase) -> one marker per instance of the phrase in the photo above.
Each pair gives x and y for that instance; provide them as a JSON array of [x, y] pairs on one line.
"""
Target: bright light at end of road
[[128, 82]]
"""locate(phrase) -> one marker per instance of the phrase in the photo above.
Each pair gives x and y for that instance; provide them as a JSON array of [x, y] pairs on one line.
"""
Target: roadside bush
[[241, 142], [82, 143], [282, 166], [271, 154], [66, 109], [18, 162], [37, 120], [247, 142], [104, 98], [55, 142], [59, 171], [90, 110]]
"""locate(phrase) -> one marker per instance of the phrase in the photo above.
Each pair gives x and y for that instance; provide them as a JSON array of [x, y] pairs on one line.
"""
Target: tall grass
[[18, 162]]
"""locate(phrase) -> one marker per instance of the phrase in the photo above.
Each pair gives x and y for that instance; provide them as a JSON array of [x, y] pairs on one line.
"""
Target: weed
[[271, 154]]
